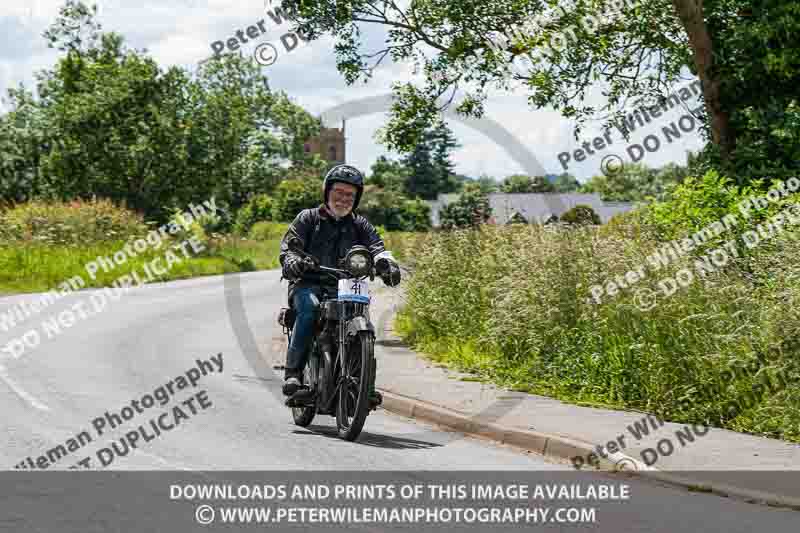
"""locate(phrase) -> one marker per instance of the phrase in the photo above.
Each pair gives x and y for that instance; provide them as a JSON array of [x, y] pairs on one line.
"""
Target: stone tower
[[330, 145]]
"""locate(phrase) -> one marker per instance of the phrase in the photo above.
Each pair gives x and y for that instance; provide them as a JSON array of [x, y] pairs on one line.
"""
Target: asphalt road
[[59, 392]]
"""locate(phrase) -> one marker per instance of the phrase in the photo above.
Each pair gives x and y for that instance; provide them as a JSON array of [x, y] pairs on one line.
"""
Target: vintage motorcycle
[[341, 366]]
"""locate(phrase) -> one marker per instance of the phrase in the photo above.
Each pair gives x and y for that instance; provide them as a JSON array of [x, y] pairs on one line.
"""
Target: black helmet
[[344, 174]]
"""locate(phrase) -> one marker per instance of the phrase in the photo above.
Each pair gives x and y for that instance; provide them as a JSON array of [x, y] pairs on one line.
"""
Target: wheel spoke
[[353, 379]]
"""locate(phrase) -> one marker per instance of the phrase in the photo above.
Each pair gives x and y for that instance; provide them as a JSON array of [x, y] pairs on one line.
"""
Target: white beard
[[339, 213]]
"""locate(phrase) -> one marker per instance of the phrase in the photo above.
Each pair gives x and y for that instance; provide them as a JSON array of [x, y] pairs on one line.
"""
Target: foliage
[[394, 211], [76, 223], [388, 174], [635, 182], [267, 231], [670, 360], [565, 183], [759, 44], [470, 210], [487, 184], [200, 229], [429, 168], [561, 53], [258, 208], [521, 183], [768, 145], [698, 203], [404, 245], [293, 195], [581, 215], [109, 122], [36, 267]]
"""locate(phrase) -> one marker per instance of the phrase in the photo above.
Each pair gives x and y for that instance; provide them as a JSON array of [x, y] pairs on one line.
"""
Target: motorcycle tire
[[304, 415], [353, 397]]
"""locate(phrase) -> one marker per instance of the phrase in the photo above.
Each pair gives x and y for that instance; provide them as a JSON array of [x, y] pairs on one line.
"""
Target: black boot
[[375, 399], [292, 381]]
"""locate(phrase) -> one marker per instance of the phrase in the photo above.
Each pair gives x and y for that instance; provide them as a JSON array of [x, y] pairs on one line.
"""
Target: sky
[[181, 32]]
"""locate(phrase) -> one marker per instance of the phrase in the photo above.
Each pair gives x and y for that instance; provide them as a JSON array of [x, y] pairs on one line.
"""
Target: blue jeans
[[305, 302]]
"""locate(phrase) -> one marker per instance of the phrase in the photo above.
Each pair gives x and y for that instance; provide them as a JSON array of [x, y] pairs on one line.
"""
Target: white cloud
[[180, 32]]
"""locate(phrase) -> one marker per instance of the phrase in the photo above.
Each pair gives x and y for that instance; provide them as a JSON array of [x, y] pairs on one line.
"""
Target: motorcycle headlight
[[359, 262]]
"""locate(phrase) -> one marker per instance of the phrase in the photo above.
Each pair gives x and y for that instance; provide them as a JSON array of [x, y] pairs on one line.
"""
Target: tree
[[634, 183], [560, 52], [395, 212], [487, 184], [23, 141], [109, 122], [388, 174], [565, 183], [293, 195], [470, 210], [430, 170], [521, 183]]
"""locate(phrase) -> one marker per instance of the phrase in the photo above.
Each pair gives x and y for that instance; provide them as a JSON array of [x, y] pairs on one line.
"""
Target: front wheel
[[304, 415], [353, 401]]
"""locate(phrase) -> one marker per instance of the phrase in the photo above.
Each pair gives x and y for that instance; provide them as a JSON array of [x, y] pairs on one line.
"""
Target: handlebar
[[338, 272]]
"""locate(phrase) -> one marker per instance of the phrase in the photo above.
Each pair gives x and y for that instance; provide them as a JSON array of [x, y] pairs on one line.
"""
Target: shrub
[[70, 223], [632, 224], [200, 229], [257, 209], [268, 231], [697, 203], [417, 216], [470, 210], [581, 215], [395, 211], [294, 195]]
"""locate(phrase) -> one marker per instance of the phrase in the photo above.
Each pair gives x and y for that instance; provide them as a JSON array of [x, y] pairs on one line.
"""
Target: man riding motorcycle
[[327, 232]]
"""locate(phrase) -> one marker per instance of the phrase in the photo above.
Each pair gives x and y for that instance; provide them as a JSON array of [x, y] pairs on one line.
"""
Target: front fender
[[359, 323]]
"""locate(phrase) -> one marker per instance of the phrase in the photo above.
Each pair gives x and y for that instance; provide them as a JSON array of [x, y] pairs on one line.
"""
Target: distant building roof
[[535, 207]]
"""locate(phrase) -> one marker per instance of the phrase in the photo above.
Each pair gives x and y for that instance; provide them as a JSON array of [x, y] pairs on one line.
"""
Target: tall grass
[[42, 245], [75, 223], [32, 267], [513, 304]]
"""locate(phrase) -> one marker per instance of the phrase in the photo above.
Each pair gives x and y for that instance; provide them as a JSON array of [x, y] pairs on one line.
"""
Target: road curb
[[545, 444], [562, 448]]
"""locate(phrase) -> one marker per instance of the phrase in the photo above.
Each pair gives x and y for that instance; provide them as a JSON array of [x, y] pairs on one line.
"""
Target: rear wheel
[[353, 400]]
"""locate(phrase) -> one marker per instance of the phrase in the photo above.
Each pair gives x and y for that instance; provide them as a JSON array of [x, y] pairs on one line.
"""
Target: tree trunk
[[690, 13]]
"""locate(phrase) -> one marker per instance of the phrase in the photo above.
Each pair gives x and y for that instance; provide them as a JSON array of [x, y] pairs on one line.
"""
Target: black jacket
[[328, 240]]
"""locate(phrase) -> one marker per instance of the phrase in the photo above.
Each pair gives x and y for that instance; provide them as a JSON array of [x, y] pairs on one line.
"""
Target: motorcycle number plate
[[353, 290]]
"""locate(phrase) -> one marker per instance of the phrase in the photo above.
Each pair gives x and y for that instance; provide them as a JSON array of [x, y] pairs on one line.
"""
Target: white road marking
[[20, 391]]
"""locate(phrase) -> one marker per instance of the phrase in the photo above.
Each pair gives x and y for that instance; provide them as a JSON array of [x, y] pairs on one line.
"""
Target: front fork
[[352, 327], [359, 323]]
